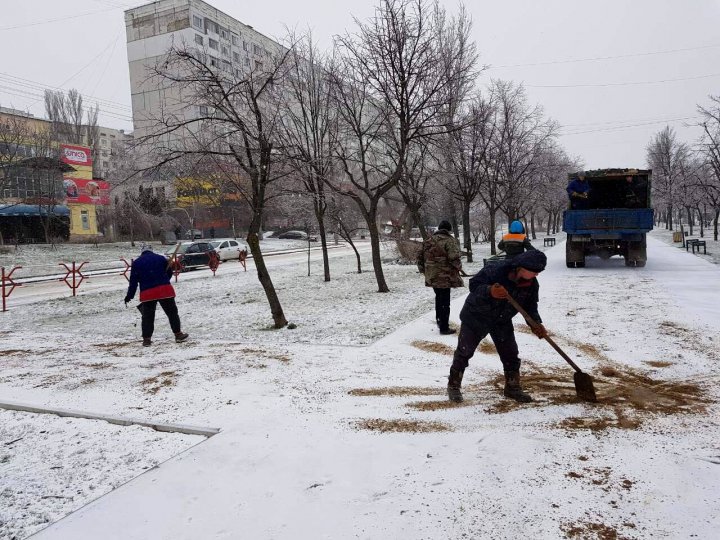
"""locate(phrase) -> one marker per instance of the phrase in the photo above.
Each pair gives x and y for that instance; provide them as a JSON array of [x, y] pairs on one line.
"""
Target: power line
[[638, 83], [48, 21], [629, 126], [600, 58], [34, 85]]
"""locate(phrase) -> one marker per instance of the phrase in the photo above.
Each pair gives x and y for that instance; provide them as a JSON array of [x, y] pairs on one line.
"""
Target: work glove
[[539, 330], [498, 292], [127, 301]]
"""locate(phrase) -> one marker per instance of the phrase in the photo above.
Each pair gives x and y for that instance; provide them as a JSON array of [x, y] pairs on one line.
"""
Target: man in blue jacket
[[579, 190], [486, 311], [152, 273]]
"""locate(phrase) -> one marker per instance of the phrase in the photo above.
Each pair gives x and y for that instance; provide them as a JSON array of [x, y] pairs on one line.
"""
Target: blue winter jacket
[[482, 310], [152, 272]]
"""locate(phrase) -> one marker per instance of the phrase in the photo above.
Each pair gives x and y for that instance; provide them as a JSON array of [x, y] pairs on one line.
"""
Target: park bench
[[548, 241], [696, 244]]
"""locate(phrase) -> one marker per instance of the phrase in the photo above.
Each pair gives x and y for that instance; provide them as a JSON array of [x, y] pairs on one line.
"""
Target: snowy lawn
[[340, 427]]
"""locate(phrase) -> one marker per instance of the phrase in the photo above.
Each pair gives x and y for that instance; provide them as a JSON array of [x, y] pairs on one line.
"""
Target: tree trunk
[[532, 225], [467, 239], [263, 275], [670, 217], [701, 219], [688, 210], [320, 216], [371, 218], [715, 227], [493, 226], [347, 236]]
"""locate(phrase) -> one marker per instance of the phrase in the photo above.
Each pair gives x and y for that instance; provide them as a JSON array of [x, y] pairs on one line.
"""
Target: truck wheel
[[636, 254], [574, 255]]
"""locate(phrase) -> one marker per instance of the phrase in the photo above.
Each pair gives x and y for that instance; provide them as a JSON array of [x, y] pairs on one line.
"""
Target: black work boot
[[513, 390], [181, 336], [453, 388]]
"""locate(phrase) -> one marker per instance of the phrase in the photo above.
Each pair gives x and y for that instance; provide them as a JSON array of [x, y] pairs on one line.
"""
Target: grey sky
[[607, 117]]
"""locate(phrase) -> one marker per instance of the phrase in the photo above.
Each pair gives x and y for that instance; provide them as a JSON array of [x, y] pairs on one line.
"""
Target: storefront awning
[[33, 210]]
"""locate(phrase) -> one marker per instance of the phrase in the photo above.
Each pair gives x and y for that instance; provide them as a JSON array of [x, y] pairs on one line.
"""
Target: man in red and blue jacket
[[152, 273]]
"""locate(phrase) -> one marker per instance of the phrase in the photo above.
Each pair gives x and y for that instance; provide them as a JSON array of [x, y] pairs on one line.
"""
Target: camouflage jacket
[[439, 260]]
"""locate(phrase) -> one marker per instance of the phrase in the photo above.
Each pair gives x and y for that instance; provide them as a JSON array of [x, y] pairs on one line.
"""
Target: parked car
[[193, 234], [196, 255], [293, 235], [180, 249], [228, 248]]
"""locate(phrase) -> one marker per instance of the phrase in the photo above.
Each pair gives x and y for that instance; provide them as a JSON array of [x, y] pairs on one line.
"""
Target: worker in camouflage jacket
[[439, 260], [515, 241]]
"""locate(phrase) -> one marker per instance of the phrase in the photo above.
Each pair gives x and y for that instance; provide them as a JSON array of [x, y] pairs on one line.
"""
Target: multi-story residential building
[[110, 141], [152, 30]]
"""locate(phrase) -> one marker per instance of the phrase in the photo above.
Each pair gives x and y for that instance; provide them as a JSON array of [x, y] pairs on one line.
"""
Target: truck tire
[[574, 255], [636, 254]]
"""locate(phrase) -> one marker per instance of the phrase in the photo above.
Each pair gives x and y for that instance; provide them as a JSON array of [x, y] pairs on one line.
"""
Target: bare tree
[[344, 220], [308, 127], [396, 82], [236, 129], [668, 160], [71, 122], [467, 155], [710, 150]]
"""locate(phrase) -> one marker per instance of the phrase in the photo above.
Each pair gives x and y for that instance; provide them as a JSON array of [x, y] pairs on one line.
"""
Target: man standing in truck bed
[[578, 190]]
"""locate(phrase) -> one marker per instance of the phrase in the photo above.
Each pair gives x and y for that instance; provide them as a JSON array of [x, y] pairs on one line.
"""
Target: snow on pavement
[[325, 440]]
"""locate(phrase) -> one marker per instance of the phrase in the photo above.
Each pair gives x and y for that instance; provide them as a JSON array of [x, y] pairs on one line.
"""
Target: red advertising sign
[[82, 191], [75, 155]]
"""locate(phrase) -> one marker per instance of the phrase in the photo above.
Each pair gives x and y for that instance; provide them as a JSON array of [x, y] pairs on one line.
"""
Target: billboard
[[75, 155], [82, 191]]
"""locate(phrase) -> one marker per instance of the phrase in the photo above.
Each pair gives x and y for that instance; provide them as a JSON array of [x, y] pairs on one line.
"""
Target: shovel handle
[[533, 324]]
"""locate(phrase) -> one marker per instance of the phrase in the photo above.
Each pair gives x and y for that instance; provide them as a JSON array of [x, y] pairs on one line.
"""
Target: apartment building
[[154, 28], [229, 44]]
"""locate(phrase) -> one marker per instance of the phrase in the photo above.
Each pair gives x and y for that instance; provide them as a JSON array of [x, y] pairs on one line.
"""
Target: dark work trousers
[[503, 335], [148, 315], [442, 307]]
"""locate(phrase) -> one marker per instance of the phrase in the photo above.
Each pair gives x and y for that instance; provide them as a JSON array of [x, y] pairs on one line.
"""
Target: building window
[[203, 110], [257, 49], [199, 39], [245, 46], [226, 66], [258, 65], [235, 40], [224, 33], [236, 57], [246, 61], [197, 22], [85, 219], [214, 62], [213, 44], [225, 50]]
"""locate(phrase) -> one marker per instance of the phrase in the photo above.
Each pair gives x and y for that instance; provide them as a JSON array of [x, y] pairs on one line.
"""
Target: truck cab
[[613, 219]]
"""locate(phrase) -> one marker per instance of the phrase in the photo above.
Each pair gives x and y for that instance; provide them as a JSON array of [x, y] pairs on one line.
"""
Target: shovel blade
[[584, 387]]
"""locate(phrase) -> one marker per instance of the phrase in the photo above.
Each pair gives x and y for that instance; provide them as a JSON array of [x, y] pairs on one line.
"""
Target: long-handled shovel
[[583, 382]]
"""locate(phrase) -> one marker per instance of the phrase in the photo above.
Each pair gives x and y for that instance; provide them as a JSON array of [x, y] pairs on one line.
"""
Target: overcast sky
[[611, 72]]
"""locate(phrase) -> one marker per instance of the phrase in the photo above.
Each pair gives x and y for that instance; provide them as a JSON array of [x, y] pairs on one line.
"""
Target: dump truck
[[611, 218]]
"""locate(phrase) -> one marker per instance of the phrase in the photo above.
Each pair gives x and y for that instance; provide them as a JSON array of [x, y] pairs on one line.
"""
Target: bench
[[696, 244], [548, 241]]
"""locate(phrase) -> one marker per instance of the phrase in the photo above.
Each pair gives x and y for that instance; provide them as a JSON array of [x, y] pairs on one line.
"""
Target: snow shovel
[[583, 382]]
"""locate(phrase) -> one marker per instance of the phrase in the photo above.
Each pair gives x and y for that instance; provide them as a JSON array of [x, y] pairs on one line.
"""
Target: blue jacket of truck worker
[[578, 186]]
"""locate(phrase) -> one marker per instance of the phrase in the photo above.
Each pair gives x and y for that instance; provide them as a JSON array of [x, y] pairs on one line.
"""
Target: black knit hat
[[532, 260], [445, 225]]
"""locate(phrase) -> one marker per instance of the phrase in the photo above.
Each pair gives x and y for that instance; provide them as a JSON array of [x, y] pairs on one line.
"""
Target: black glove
[[127, 300]]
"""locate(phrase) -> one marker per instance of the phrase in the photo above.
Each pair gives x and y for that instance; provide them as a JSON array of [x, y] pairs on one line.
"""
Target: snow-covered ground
[[340, 428]]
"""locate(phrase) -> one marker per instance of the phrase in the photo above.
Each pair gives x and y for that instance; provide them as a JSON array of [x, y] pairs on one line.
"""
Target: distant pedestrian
[[212, 233], [152, 273], [515, 241], [439, 260], [487, 311]]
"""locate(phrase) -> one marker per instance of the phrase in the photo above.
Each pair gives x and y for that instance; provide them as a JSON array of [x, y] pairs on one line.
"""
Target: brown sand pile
[[398, 426]]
